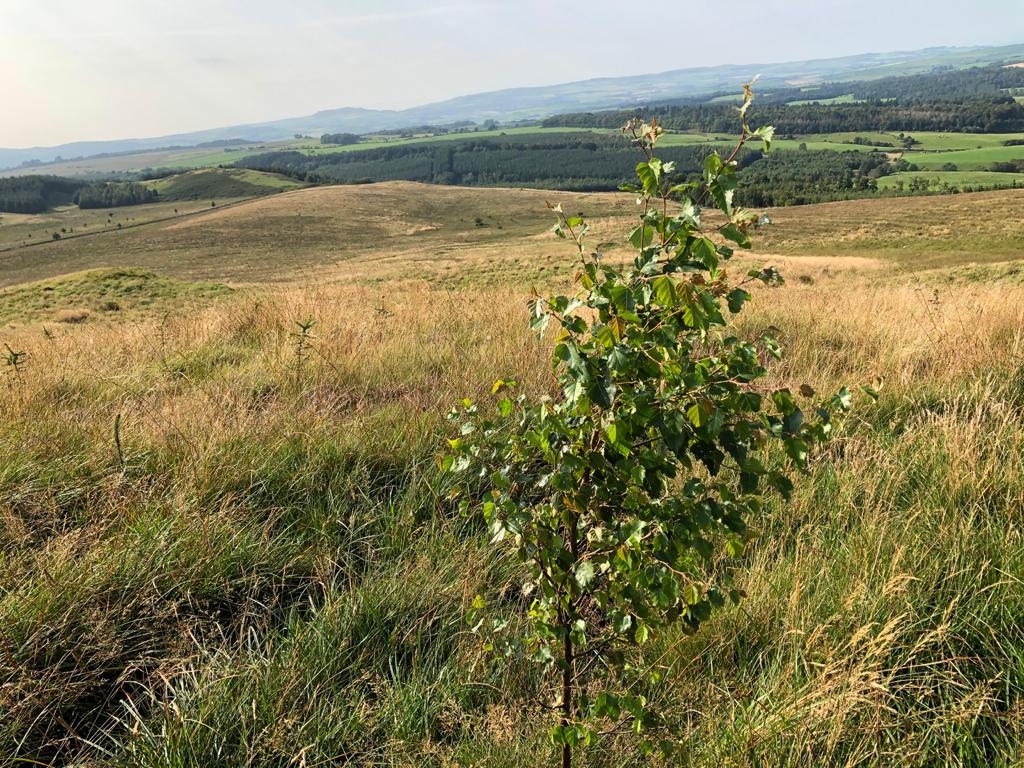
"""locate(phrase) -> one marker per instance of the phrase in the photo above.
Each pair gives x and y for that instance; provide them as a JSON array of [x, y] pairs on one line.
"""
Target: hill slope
[[220, 183], [458, 234], [539, 102], [217, 552]]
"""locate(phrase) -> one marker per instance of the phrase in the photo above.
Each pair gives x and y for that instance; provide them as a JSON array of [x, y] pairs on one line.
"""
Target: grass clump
[[72, 298]]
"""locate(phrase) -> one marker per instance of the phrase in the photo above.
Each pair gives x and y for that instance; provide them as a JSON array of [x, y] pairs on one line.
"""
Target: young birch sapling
[[626, 495]]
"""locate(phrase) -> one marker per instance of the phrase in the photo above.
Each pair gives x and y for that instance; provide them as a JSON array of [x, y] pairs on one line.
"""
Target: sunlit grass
[[261, 567]]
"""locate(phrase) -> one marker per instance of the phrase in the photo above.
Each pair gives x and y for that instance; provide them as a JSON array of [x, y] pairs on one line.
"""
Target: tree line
[[584, 161], [800, 177], [951, 85], [996, 114], [340, 139], [595, 162], [37, 194], [114, 195]]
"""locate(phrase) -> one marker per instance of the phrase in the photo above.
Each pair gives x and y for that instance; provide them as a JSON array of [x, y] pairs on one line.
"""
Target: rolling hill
[[221, 548], [539, 102], [459, 235]]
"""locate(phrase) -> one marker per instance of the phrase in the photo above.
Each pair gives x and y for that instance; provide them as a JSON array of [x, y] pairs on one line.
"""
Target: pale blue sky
[[106, 69]]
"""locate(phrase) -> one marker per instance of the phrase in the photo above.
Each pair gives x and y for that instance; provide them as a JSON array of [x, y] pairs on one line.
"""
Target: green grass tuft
[[101, 292]]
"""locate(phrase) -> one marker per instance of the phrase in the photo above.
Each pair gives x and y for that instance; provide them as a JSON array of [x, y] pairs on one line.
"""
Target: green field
[[930, 153], [960, 179], [967, 159], [844, 99], [929, 140], [811, 143], [373, 142], [951, 141], [841, 142], [728, 98]]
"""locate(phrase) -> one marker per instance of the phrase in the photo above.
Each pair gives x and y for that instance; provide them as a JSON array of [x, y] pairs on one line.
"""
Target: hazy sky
[[106, 69]]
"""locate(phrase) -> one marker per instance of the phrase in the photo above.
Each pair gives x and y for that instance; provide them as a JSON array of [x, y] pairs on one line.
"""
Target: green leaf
[[738, 236], [784, 401], [689, 212], [765, 133], [844, 399], [650, 174], [584, 574], [641, 634], [641, 237], [704, 251], [622, 298], [736, 299], [612, 430], [622, 622], [712, 167], [665, 290], [697, 414]]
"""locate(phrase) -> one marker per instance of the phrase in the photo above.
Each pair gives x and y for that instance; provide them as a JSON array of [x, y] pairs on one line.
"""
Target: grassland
[[928, 140], [815, 143], [259, 567], [111, 294], [205, 157], [847, 98], [182, 195], [71, 222], [376, 142], [436, 237], [960, 179], [295, 233], [199, 157], [220, 183], [967, 159]]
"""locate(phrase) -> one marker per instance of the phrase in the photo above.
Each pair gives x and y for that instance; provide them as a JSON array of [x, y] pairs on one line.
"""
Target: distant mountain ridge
[[535, 103]]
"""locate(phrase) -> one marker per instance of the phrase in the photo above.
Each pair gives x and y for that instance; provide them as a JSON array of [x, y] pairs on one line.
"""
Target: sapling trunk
[[567, 704]]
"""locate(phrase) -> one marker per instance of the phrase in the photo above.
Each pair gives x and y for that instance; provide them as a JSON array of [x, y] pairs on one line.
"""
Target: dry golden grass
[[417, 231], [306, 232], [904, 330], [265, 567]]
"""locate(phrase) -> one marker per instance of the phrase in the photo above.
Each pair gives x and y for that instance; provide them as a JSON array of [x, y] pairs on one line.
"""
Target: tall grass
[[269, 573]]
